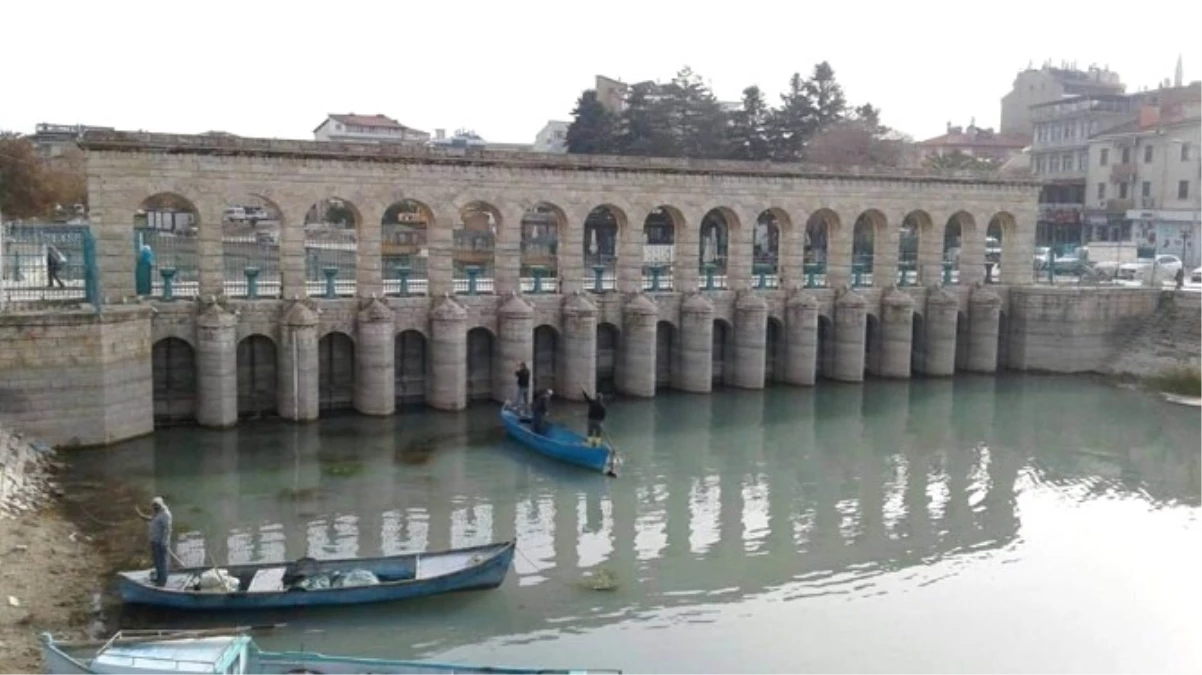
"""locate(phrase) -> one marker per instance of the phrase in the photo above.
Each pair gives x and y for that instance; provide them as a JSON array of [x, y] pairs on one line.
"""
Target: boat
[[560, 443], [217, 651], [308, 582]]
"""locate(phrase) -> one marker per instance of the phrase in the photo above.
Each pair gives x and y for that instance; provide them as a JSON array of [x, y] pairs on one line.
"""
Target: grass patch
[[1183, 381]]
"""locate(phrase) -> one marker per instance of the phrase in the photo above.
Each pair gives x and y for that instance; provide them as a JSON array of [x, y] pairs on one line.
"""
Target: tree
[[646, 124], [826, 96], [25, 191], [957, 160], [695, 119], [747, 137], [593, 130], [791, 123], [67, 178], [854, 143]]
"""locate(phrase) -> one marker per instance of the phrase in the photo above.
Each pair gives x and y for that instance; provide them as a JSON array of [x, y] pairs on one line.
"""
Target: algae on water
[[600, 580]]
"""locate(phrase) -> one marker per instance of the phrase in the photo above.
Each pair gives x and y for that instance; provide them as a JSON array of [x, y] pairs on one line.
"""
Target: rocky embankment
[[49, 578]]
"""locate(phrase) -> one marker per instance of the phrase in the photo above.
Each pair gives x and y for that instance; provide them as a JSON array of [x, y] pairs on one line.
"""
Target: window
[[1083, 161], [1039, 164], [1054, 164], [1122, 190], [1183, 189], [1185, 152], [1126, 155], [1101, 191], [1067, 163], [1104, 157], [1147, 154], [1145, 189]]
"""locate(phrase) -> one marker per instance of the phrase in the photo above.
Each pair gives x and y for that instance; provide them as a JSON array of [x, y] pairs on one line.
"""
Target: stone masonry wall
[[25, 468], [1169, 339]]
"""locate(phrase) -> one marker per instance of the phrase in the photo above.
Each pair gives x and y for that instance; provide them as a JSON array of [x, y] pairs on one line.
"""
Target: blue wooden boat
[[231, 652], [560, 443], [314, 583]]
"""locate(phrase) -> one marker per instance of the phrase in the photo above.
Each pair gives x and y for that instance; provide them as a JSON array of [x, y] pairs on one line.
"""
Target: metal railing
[[48, 263], [166, 263]]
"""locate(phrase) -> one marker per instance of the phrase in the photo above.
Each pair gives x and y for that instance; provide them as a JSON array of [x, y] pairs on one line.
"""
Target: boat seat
[[267, 580]]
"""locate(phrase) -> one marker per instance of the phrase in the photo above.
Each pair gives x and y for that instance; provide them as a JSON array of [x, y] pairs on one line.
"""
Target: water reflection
[[814, 492]]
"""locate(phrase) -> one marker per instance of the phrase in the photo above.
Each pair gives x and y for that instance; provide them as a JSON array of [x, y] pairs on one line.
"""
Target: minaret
[[1179, 74]]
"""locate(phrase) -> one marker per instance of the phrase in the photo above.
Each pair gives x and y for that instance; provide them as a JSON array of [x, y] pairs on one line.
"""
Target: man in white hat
[[159, 530]]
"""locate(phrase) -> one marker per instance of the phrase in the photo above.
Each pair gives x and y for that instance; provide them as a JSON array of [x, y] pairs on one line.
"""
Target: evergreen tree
[[826, 96], [747, 136], [792, 123], [593, 130], [697, 122], [646, 125]]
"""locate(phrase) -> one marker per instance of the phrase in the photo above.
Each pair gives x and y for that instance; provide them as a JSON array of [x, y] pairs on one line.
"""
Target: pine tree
[[646, 125], [747, 137], [826, 96], [593, 129], [791, 124]]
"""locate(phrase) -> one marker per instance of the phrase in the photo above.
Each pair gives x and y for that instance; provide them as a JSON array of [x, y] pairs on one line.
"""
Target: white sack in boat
[[217, 580]]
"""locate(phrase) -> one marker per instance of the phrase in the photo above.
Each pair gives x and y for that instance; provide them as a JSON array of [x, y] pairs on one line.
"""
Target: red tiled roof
[[978, 141], [377, 121]]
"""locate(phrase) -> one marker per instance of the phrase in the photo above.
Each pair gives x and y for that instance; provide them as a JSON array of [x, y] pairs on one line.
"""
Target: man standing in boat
[[596, 418], [542, 403], [523, 375], [159, 530]]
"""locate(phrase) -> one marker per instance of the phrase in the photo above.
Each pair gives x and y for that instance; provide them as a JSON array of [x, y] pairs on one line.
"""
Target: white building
[[352, 128], [553, 137]]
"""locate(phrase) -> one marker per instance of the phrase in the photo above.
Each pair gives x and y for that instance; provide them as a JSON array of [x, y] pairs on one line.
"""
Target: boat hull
[[560, 443], [489, 572]]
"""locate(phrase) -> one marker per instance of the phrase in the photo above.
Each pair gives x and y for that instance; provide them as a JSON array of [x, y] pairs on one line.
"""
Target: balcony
[[1122, 173]]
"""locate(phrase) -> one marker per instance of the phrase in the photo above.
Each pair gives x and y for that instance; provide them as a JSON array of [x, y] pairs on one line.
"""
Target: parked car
[[1195, 277], [1041, 257], [1163, 266]]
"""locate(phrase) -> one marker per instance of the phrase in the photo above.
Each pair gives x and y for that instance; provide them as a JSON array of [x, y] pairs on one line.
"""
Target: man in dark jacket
[[541, 407], [596, 418], [523, 375]]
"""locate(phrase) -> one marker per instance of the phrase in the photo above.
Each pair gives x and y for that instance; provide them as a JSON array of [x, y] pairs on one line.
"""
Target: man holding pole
[[159, 531]]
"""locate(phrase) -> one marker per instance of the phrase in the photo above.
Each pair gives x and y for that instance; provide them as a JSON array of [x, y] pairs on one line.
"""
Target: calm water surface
[[1017, 524]]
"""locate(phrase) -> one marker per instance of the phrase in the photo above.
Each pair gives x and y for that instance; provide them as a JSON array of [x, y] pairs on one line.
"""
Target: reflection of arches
[[869, 227], [722, 353], [256, 376], [546, 351], [541, 227], [474, 246], [404, 231], [713, 247], [665, 354], [872, 345], [479, 364], [774, 351], [411, 367], [601, 230], [608, 337], [336, 371], [1003, 342], [173, 372], [826, 347], [918, 346], [962, 341]]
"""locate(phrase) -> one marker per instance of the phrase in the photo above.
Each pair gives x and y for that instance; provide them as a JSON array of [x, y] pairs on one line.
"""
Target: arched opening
[[473, 257], [404, 253], [546, 357], [1003, 342], [607, 356], [336, 372], [331, 248], [962, 341], [665, 354], [819, 229], [166, 228], [774, 351], [601, 229], [173, 371], [914, 225], [412, 368], [659, 248], [826, 347], [953, 245], [479, 364], [722, 353], [918, 346], [996, 244], [872, 345], [250, 248], [714, 248], [541, 225], [863, 249], [256, 377], [765, 249]]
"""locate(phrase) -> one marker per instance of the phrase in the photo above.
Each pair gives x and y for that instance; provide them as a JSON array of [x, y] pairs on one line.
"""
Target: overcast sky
[[275, 69]]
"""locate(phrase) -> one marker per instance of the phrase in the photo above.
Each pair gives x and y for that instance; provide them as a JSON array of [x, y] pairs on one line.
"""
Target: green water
[[1018, 524]]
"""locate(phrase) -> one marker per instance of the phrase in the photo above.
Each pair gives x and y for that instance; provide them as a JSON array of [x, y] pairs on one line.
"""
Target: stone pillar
[[751, 337], [297, 364], [375, 360], [216, 367], [696, 344], [578, 365], [940, 323], [636, 348], [984, 318], [515, 325], [801, 339], [851, 318], [448, 355], [897, 333]]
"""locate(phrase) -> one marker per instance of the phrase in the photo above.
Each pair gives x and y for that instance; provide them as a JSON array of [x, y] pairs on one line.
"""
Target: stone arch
[[1000, 246], [872, 344], [770, 224], [173, 373], [826, 347], [332, 247], [474, 244], [166, 236], [963, 341], [602, 235], [662, 229], [250, 247], [412, 367], [542, 227], [609, 339], [665, 354], [918, 345], [713, 244], [821, 227], [722, 355], [870, 229], [480, 343], [404, 247], [956, 232], [546, 357], [335, 371], [774, 351], [257, 376], [917, 227]]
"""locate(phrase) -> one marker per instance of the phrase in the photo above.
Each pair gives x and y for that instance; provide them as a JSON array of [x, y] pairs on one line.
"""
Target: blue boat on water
[[226, 651], [315, 583], [560, 443]]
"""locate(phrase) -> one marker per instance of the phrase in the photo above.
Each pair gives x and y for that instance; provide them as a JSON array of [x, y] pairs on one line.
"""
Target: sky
[[503, 69]]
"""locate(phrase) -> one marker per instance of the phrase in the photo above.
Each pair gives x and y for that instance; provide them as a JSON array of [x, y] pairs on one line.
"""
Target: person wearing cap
[[159, 530], [539, 412]]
